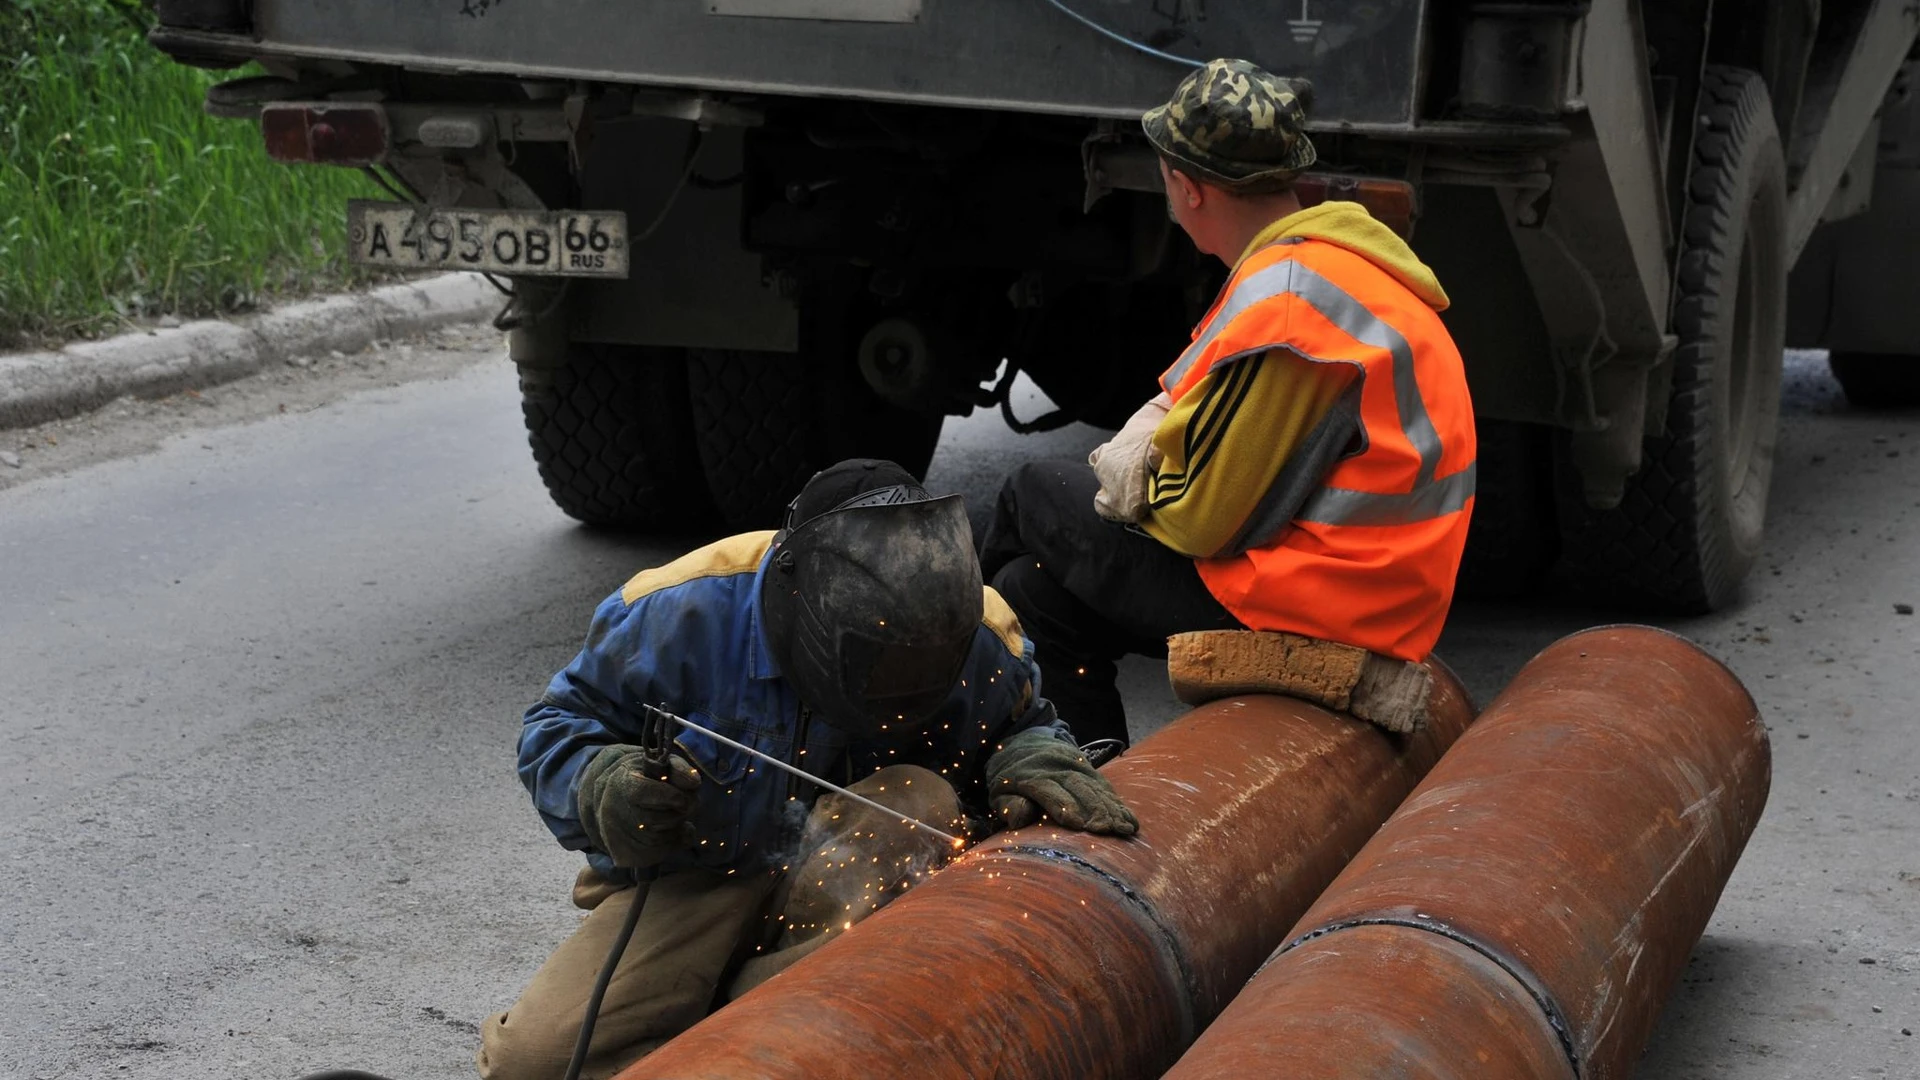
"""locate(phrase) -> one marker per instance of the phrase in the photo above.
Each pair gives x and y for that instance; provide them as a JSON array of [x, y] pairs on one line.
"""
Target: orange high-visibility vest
[[1370, 558]]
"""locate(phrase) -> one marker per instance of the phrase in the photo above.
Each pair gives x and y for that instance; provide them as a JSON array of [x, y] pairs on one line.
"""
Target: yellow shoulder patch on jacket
[[1000, 619], [735, 555]]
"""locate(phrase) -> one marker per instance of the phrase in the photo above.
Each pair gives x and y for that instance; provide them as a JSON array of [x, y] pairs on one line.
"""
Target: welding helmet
[[872, 597]]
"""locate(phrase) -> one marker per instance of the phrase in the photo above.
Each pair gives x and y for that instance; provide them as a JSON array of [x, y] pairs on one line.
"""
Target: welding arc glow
[[810, 778]]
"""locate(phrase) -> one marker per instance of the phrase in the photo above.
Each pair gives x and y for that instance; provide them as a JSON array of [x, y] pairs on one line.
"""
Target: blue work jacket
[[687, 637]]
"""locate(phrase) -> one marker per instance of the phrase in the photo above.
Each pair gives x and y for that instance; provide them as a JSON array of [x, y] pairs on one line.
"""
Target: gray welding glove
[[636, 818], [1036, 773]]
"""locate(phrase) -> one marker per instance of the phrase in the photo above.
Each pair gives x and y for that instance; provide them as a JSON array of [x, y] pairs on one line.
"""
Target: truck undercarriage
[[854, 220]]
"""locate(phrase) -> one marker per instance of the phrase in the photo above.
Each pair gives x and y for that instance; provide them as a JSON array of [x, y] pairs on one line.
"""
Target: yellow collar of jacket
[[1348, 225]]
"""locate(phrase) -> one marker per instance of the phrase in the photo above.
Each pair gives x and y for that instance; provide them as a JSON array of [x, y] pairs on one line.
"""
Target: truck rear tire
[[612, 438], [765, 422], [1689, 527], [1877, 380]]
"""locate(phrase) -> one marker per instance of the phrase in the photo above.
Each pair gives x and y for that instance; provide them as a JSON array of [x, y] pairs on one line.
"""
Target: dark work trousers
[[1088, 591]]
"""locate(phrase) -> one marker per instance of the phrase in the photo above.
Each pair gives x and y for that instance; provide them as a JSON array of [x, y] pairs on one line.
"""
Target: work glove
[[1037, 773], [636, 818], [1124, 464]]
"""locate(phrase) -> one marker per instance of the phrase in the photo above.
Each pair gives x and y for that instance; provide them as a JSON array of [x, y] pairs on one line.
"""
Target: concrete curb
[[42, 386]]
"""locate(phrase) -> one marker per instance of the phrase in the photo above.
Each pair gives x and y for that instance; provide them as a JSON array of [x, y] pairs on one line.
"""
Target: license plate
[[555, 243]]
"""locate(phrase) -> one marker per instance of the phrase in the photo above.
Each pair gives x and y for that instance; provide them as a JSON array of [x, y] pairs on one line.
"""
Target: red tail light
[[327, 133]]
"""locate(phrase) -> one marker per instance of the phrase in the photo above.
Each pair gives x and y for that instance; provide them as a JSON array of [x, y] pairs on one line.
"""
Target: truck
[[742, 239]]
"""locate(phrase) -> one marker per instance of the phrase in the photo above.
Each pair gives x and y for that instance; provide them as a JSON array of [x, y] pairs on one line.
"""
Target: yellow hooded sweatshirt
[[1286, 398]]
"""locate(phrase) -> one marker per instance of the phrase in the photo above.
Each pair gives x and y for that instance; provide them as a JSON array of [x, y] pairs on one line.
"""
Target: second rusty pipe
[[1528, 910], [1046, 954]]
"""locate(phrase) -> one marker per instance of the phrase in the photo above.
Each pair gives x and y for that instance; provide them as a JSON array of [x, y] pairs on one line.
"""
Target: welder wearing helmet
[[857, 643]]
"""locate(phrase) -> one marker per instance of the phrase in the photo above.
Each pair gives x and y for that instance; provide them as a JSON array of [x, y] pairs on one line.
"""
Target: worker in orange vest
[[1309, 464]]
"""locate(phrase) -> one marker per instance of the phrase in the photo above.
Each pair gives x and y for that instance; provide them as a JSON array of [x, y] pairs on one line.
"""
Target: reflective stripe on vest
[[1429, 498], [1344, 506]]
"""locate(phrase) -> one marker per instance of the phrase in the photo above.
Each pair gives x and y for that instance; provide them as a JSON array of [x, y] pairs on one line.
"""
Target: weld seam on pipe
[[1151, 937], [1549, 1008], [1169, 941]]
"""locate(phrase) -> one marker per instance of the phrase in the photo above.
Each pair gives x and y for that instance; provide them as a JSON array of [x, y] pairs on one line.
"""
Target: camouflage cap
[[1233, 124]]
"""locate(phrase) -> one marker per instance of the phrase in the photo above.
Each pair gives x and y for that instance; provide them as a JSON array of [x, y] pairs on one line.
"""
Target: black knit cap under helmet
[[873, 597]]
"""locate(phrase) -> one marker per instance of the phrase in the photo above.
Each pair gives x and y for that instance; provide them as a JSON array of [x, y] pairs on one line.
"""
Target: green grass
[[120, 198]]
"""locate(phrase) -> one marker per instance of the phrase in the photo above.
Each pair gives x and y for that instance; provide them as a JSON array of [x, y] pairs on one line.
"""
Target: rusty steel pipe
[[1526, 913], [1050, 954]]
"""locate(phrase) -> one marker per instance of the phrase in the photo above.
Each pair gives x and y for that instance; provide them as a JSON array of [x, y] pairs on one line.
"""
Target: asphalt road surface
[[263, 653]]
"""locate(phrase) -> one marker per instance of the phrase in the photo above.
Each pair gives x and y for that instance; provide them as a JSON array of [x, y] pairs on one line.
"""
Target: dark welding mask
[[871, 606]]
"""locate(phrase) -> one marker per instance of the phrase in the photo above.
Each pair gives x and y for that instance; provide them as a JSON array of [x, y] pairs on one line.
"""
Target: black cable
[[1003, 392], [393, 174], [374, 175], [619, 949]]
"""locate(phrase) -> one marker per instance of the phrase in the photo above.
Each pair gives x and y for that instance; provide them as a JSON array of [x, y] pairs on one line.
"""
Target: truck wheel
[[1877, 380], [612, 439], [765, 422], [1689, 527]]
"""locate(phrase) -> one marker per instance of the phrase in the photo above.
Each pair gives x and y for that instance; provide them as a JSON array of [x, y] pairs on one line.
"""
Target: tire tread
[[608, 432], [1662, 543]]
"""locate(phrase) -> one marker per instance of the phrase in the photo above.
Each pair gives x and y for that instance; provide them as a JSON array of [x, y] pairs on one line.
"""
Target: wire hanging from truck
[[1114, 35]]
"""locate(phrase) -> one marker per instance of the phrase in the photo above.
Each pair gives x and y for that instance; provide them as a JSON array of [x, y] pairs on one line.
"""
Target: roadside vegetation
[[121, 200]]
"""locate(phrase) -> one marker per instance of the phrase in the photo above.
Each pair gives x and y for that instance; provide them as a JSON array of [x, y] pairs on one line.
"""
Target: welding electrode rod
[[1532, 904], [1048, 954], [911, 823]]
